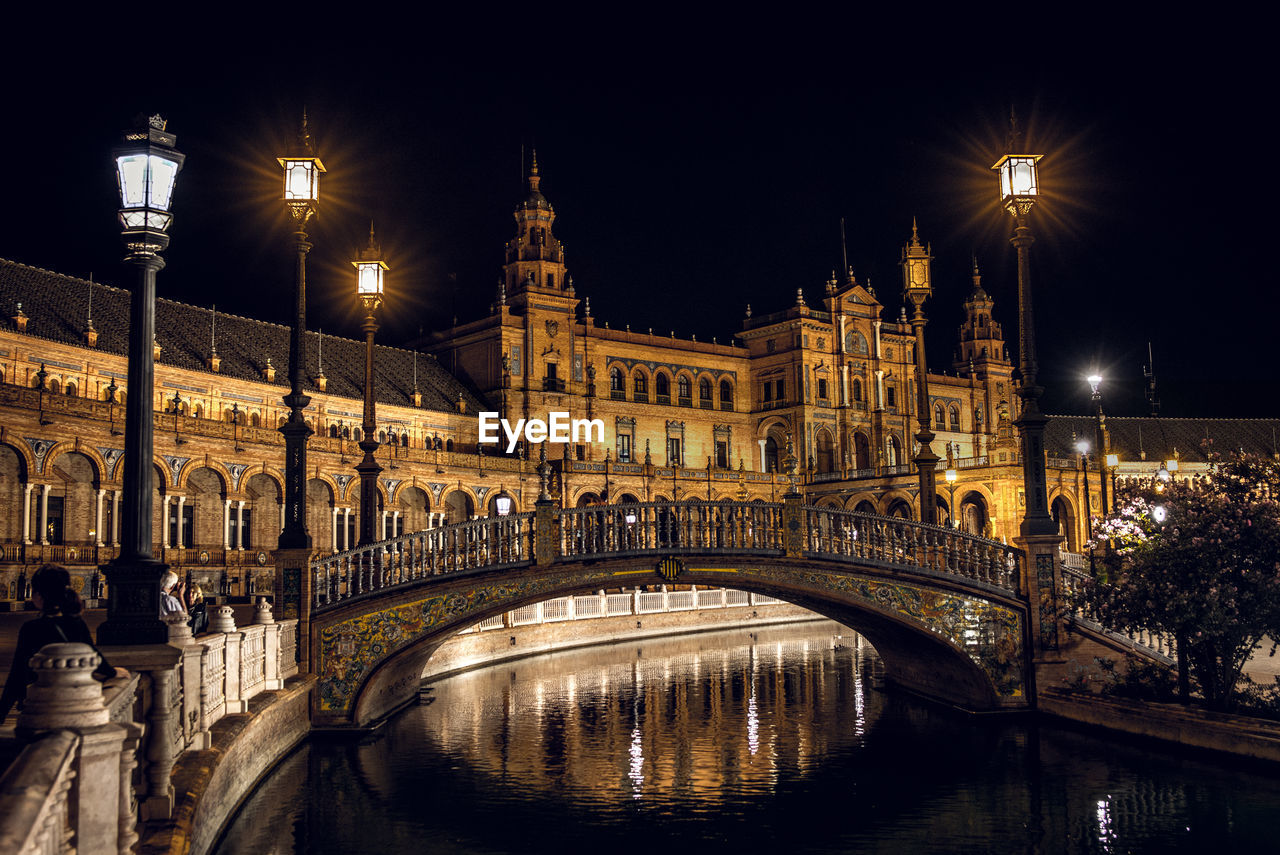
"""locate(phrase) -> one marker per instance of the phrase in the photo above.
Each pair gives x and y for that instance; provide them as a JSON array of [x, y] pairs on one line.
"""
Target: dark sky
[[691, 175]]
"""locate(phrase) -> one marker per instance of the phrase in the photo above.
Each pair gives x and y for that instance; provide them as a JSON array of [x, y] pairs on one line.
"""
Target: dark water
[[777, 742]]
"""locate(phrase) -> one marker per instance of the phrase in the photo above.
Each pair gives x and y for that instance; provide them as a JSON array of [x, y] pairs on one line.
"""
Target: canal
[[777, 740]]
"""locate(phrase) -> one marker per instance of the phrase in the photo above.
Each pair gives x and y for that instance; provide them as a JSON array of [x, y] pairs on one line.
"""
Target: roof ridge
[[1172, 418], [64, 275]]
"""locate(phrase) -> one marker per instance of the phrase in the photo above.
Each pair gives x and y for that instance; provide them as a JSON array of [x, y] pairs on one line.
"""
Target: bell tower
[[981, 338], [534, 261]]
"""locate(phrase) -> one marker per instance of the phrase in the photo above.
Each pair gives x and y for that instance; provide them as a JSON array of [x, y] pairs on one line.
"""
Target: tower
[[534, 257], [981, 339]]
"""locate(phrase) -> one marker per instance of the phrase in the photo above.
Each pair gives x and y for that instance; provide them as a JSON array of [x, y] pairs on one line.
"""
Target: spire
[[978, 292], [915, 235], [1015, 136], [534, 178]]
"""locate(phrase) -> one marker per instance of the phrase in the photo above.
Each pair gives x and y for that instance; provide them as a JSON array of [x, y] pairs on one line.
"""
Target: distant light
[[1171, 465], [1019, 185], [1095, 380], [1159, 513], [951, 476], [502, 505], [1113, 460], [1082, 446]]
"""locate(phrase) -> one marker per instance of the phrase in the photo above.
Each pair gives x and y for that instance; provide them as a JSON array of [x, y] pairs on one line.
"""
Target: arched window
[[640, 384], [71, 389], [382, 437], [726, 395], [615, 380], [662, 386], [55, 387], [955, 417], [939, 417], [333, 431], [684, 387], [857, 389], [356, 435], [855, 342], [404, 440], [892, 450], [704, 391]]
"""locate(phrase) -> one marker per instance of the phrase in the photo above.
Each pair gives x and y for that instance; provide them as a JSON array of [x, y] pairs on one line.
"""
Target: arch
[[972, 514], [897, 505], [255, 419], [587, 498], [704, 391], [892, 450], [866, 504], [54, 385], [826, 456], [939, 416], [661, 384], [861, 451], [458, 505], [628, 499], [616, 382], [502, 504], [265, 496], [321, 499], [13, 475], [206, 491], [684, 385], [70, 389], [71, 509], [953, 413], [855, 342], [640, 382], [1063, 512], [224, 477], [726, 395]]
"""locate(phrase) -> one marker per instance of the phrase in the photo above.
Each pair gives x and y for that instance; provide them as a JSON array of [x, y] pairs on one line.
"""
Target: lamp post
[[951, 476], [917, 285], [1113, 463], [1019, 189], [301, 193], [147, 166], [1100, 438], [1082, 446], [370, 270]]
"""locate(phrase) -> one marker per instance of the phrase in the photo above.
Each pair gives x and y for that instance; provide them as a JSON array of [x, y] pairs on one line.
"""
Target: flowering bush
[[1200, 560]]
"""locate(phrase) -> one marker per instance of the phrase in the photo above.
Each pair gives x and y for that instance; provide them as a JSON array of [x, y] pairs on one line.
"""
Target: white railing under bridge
[[657, 528]]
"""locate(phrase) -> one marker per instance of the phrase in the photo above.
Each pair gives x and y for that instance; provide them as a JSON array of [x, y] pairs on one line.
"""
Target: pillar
[[164, 522], [226, 523], [395, 523], [26, 513], [764, 463], [97, 517], [115, 518], [333, 529], [346, 529], [44, 512], [240, 524]]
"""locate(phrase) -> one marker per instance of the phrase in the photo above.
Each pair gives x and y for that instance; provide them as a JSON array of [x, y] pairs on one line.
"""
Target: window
[[551, 280], [955, 418], [673, 451], [857, 389], [939, 417], [517, 367], [704, 392], [684, 387], [768, 390], [891, 397], [722, 454], [640, 386], [624, 448], [822, 389], [770, 346], [551, 371], [726, 395], [617, 386], [662, 388], [780, 389]]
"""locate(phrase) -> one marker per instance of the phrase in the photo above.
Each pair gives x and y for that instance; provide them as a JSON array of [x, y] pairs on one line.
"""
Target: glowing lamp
[[370, 271], [1019, 185], [301, 180], [1082, 446], [1171, 465], [1095, 380], [1159, 513], [147, 166], [916, 275], [1113, 460], [951, 475], [503, 505]]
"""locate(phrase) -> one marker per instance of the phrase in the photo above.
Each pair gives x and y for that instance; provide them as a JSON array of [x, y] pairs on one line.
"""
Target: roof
[[57, 307], [1159, 438]]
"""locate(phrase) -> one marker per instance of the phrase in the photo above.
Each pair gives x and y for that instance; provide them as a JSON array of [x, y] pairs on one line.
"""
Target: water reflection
[[777, 740]]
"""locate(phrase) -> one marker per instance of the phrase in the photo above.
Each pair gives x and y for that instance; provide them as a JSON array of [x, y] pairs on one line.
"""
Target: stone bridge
[[945, 609]]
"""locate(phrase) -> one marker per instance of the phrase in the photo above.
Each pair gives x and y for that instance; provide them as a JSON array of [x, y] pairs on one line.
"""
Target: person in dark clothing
[[59, 622]]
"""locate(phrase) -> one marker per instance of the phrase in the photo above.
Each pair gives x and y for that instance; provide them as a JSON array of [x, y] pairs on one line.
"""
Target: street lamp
[[1113, 463], [147, 166], [370, 270], [1019, 189], [1100, 437], [951, 476], [917, 285], [301, 194], [1082, 446]]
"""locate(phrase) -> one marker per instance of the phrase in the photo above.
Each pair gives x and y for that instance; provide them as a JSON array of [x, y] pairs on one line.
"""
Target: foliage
[[1140, 678], [1208, 574], [1261, 699]]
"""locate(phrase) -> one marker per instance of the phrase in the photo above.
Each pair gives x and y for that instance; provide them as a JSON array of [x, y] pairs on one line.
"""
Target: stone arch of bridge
[[961, 646]]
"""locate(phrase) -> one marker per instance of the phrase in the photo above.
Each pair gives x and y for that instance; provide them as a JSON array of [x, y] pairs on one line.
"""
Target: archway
[[501, 505], [899, 509], [414, 508], [826, 457], [320, 504], [260, 527], [861, 451], [205, 510], [72, 515], [865, 507], [458, 507], [588, 499], [973, 514], [13, 475], [1060, 510]]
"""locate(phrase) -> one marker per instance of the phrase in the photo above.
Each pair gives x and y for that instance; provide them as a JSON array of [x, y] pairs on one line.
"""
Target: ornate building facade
[[832, 385]]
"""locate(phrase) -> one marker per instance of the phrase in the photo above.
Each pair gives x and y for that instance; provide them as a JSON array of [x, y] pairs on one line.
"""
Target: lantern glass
[[301, 183], [1171, 465], [1095, 380], [1018, 178], [146, 180], [1082, 446], [1113, 460], [503, 505], [369, 278], [951, 476]]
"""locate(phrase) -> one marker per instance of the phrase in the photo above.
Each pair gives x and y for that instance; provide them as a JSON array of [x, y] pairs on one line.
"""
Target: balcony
[[617, 395], [686, 402], [661, 398], [553, 384]]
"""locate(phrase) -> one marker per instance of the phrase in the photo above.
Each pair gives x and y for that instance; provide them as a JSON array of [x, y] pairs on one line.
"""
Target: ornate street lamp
[[1019, 190], [951, 476], [1082, 446], [1113, 463], [370, 270], [147, 166], [1100, 438], [301, 194], [918, 286]]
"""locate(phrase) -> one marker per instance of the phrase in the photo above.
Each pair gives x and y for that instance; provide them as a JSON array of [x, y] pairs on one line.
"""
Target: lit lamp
[[1082, 446], [1019, 190], [147, 166], [1100, 436], [1171, 465], [370, 272], [1113, 463], [951, 476], [918, 286], [301, 194]]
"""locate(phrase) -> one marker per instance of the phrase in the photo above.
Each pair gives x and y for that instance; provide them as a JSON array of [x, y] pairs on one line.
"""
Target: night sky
[[691, 175]]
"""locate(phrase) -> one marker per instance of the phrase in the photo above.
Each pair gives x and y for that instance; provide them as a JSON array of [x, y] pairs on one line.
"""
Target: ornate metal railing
[[835, 533], [1154, 645], [486, 542], [606, 531]]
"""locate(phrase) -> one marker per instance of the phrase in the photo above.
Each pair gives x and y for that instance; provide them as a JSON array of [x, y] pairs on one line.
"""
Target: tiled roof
[[57, 305], [1159, 437]]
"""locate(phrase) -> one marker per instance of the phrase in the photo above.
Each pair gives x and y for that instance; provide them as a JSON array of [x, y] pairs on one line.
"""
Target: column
[[44, 512], [226, 523], [346, 529], [383, 524], [395, 523], [182, 535], [97, 516], [164, 523], [333, 530], [26, 513], [240, 524], [764, 463], [115, 518], [282, 516]]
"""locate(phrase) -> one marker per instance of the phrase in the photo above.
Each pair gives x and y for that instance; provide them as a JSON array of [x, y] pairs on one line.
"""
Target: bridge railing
[[1154, 645], [485, 542], [664, 526], [840, 533]]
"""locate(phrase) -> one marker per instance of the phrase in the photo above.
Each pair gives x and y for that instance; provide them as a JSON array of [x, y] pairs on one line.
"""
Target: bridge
[[946, 610]]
